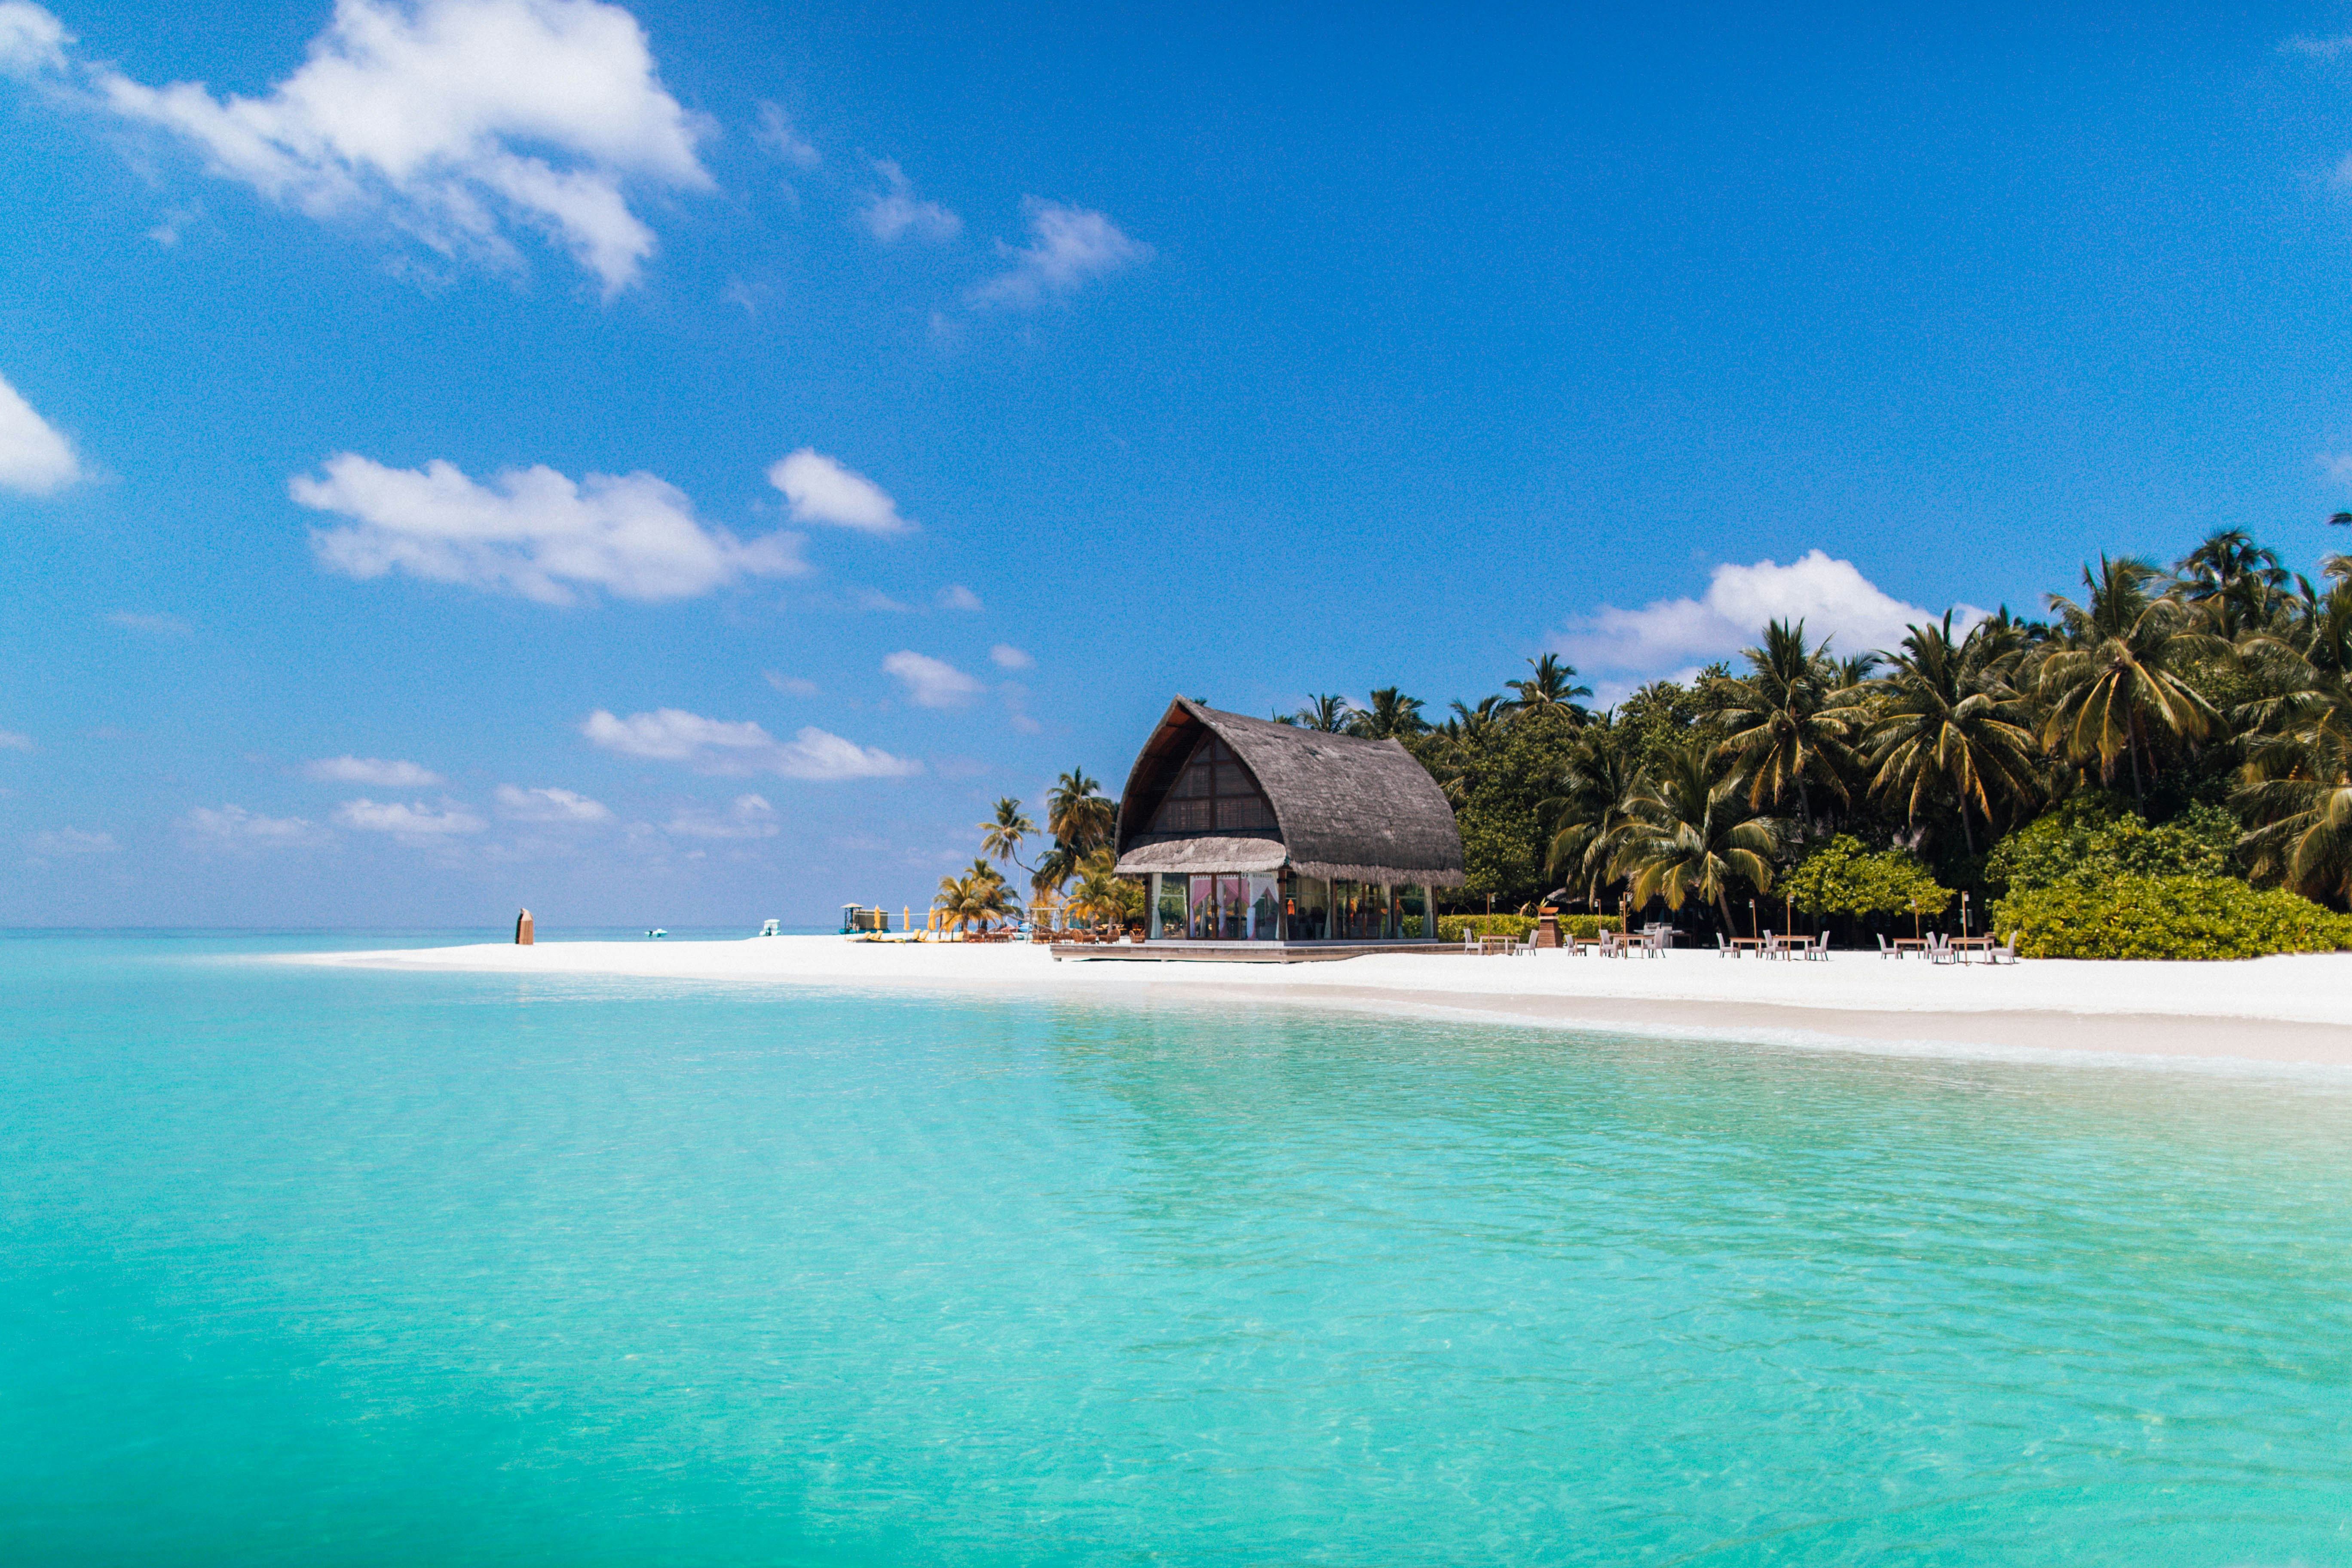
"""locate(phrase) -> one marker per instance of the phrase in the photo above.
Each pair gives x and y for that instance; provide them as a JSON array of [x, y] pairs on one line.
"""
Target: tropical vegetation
[[2160, 762]]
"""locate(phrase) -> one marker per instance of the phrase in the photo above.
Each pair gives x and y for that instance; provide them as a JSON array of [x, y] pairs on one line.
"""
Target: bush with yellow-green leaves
[[2167, 917]]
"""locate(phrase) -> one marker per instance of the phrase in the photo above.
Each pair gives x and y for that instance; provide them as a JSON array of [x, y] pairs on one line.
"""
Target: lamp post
[[1751, 920], [1964, 912]]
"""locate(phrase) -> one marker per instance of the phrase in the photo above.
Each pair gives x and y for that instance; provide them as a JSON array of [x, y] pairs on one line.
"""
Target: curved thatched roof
[[1364, 811]]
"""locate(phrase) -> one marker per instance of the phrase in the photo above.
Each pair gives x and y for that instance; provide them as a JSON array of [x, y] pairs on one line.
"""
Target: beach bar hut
[[1268, 841]]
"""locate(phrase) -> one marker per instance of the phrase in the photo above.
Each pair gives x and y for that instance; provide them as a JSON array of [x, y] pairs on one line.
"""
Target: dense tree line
[[2216, 690]]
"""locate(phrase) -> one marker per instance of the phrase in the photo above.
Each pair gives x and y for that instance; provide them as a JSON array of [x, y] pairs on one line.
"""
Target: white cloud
[[418, 821], [12, 741], [874, 599], [234, 825], [931, 682], [717, 746], [548, 805], [777, 134], [461, 122], [790, 685], [34, 459], [1069, 247], [31, 40], [749, 817], [891, 214], [1831, 597], [155, 626], [1007, 656], [1016, 707], [73, 841], [532, 532], [380, 771], [822, 490], [2320, 49], [956, 596]]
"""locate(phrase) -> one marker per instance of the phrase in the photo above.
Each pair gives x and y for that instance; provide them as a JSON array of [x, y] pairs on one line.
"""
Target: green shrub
[[2167, 917], [2085, 843], [1840, 877], [1450, 928]]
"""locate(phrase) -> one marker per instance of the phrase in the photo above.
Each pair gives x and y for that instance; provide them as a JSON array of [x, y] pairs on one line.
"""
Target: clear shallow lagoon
[[324, 1266]]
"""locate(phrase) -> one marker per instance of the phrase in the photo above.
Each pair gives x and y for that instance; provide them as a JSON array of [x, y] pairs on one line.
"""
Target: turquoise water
[[317, 1266]]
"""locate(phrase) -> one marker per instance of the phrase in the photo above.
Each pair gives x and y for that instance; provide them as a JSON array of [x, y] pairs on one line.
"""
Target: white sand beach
[[2284, 1009]]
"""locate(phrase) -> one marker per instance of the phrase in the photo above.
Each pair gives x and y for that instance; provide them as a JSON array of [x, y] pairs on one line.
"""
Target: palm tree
[[1854, 670], [1328, 713], [2116, 675], [2231, 578], [1785, 730], [972, 899], [1100, 896], [1078, 816], [1691, 836], [1459, 747], [2296, 783], [1553, 689], [2298, 788], [1939, 723], [1392, 716], [1001, 836], [1590, 816]]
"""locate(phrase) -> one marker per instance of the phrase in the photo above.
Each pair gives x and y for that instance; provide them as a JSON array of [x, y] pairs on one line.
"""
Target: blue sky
[[682, 464]]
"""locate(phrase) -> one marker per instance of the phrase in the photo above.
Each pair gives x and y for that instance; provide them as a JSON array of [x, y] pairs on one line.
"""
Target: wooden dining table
[[1903, 944], [1965, 945], [1751, 944]]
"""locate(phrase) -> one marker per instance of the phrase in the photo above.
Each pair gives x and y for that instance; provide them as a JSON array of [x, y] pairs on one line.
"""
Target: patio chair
[[2006, 953], [1722, 945], [1883, 951], [1940, 951]]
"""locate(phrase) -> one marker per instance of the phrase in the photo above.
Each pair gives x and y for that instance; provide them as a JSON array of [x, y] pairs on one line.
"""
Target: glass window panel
[[1413, 911], [1233, 909], [1171, 906], [1204, 907], [1265, 908], [1309, 908], [1181, 816]]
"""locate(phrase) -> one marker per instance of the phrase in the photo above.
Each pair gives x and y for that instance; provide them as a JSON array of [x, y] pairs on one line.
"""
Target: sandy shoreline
[[2285, 1009]]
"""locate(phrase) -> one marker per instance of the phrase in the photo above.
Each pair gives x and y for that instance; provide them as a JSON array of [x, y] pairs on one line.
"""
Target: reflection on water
[[310, 1266]]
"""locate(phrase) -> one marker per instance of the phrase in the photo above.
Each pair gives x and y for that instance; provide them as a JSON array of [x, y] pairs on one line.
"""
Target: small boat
[[773, 927], [657, 932]]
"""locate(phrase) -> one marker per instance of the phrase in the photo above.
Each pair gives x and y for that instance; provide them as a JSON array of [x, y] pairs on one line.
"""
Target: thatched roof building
[[1330, 806], [1262, 833]]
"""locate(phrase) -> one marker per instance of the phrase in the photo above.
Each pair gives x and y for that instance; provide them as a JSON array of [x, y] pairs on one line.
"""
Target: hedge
[[2167, 916], [1451, 928]]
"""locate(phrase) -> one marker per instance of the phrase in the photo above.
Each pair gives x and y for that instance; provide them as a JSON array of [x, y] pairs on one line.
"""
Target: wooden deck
[[1242, 952]]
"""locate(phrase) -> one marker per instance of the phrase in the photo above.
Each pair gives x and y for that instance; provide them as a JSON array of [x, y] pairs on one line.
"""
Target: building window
[[1214, 792]]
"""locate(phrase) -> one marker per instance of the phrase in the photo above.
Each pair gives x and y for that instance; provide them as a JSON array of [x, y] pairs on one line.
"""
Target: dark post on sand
[[522, 929]]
